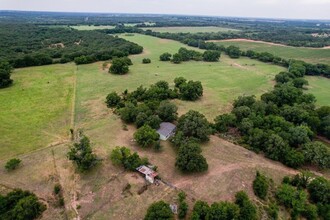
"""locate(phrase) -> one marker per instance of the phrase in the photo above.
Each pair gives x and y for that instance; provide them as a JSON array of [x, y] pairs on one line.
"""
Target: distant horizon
[[192, 15], [275, 9]]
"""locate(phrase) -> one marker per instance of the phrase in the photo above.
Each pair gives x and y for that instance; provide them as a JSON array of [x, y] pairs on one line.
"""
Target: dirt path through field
[[263, 42]]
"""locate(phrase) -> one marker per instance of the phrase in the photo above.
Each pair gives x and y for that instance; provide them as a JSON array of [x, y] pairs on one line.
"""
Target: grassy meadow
[[310, 55], [190, 29], [35, 110], [319, 86]]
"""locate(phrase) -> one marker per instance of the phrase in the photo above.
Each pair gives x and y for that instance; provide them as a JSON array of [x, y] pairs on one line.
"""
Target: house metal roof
[[166, 128]]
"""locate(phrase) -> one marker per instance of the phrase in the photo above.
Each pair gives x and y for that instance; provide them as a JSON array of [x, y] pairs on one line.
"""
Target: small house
[[149, 173], [166, 130]]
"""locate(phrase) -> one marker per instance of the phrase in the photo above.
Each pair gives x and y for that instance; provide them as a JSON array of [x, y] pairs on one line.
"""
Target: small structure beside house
[[174, 208], [148, 172], [166, 130]]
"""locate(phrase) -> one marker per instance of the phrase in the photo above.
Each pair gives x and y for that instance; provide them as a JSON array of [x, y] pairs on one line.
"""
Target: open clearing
[[99, 193], [190, 29], [35, 110], [91, 27], [311, 55]]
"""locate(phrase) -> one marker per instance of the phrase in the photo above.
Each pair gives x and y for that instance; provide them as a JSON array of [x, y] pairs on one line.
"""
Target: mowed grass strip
[[190, 29], [311, 55], [35, 110]]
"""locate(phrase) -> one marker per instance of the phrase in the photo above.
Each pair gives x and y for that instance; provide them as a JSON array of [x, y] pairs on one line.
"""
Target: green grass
[[91, 27], [320, 87], [310, 55], [35, 110], [190, 29], [223, 81]]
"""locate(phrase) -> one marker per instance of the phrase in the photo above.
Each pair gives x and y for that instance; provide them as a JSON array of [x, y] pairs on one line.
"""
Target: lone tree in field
[[5, 72], [189, 158], [12, 164], [165, 57], [146, 136], [159, 210], [120, 65], [112, 99], [82, 155], [146, 60]]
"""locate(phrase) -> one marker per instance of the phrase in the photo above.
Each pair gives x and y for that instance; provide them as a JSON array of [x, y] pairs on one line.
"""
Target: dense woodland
[[29, 45]]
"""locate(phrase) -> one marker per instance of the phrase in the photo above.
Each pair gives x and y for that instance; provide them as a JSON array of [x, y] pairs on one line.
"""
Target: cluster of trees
[[31, 45], [241, 209], [192, 129], [5, 73], [122, 156], [147, 108], [20, 204], [184, 55], [282, 124], [120, 65], [151, 106], [198, 40], [305, 196], [82, 155]]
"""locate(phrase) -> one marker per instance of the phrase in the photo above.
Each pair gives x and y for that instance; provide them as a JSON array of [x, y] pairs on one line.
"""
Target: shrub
[[57, 189], [165, 57], [159, 210], [260, 186], [123, 156], [112, 99], [248, 211], [12, 164], [146, 60], [5, 73]]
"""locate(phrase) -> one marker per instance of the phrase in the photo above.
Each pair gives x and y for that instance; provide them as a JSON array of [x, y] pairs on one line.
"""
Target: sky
[[292, 9]]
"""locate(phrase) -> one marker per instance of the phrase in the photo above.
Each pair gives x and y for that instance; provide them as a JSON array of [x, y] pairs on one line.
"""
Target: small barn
[[166, 130], [149, 173]]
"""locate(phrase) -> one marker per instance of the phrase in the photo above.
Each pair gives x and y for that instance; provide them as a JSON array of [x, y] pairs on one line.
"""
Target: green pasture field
[[223, 81], [35, 110], [320, 87], [190, 29], [310, 55]]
